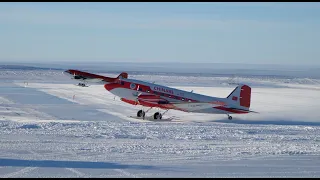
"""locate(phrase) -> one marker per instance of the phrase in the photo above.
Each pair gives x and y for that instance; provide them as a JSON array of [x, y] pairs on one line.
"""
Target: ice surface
[[45, 132]]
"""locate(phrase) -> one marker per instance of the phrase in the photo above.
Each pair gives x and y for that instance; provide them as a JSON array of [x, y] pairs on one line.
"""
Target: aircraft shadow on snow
[[69, 164]]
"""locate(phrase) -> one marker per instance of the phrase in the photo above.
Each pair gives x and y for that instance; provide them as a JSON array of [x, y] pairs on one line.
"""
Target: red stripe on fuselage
[[148, 104], [144, 88]]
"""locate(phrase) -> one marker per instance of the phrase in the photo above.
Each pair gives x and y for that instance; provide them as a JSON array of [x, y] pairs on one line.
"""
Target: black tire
[[230, 117], [157, 115], [140, 113]]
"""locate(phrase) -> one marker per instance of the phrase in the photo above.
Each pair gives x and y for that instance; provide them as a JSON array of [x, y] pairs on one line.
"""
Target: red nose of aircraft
[[67, 72]]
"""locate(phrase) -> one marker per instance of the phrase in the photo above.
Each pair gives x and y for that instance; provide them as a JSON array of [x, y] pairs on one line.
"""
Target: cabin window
[[148, 91], [182, 99], [189, 100], [140, 89], [122, 83], [169, 96], [132, 85]]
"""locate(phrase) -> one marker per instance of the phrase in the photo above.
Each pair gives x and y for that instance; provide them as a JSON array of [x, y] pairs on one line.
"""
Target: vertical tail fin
[[240, 96], [123, 75]]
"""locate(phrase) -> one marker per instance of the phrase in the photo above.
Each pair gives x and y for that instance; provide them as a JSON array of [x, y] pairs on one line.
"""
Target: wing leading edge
[[93, 78]]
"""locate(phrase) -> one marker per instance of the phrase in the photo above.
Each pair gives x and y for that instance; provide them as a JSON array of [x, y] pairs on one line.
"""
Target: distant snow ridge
[[226, 80], [30, 75], [304, 81], [181, 80]]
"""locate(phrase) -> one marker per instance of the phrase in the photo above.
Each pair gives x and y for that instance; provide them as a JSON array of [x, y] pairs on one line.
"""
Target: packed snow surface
[[51, 128]]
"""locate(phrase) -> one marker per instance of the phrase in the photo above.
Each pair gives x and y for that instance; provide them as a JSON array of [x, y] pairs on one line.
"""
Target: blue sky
[[210, 32]]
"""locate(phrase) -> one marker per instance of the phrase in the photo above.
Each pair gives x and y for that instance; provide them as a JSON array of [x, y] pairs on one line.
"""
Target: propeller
[[138, 94]]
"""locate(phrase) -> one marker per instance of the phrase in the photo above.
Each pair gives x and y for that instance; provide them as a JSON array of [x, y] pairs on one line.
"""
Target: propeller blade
[[138, 94]]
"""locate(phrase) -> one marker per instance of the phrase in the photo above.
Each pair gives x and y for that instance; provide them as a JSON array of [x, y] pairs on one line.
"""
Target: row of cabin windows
[[175, 97], [155, 92]]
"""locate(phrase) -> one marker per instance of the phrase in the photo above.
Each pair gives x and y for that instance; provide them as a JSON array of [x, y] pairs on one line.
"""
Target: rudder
[[241, 96]]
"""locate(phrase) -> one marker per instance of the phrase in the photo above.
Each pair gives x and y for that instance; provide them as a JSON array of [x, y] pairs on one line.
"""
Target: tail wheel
[[141, 113], [157, 115]]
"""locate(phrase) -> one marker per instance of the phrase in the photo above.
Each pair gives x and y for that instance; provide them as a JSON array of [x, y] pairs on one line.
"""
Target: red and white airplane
[[152, 95]]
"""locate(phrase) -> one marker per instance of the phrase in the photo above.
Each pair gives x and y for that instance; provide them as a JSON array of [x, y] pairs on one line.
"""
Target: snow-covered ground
[[52, 128]]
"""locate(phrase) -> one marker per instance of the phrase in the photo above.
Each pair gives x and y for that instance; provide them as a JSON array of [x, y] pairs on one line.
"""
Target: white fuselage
[[171, 95]]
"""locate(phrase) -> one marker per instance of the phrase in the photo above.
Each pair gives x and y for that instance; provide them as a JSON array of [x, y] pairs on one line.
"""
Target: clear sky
[[216, 32]]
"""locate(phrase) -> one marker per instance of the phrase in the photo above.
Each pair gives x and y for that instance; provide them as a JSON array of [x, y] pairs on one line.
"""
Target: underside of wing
[[93, 78], [153, 99], [194, 106], [157, 100], [88, 79]]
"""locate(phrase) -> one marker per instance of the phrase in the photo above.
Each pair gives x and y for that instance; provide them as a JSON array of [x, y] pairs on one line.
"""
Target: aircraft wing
[[194, 106], [93, 78], [157, 100]]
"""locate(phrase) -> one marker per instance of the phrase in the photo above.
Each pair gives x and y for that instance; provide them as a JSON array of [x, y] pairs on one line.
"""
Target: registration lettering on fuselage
[[156, 88]]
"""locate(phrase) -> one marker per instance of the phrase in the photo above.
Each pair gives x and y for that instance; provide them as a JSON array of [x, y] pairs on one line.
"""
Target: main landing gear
[[141, 113], [82, 84], [229, 117], [156, 115]]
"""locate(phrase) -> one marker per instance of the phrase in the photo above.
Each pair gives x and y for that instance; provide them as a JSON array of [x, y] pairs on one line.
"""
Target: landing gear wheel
[[141, 113], [230, 117], [157, 115]]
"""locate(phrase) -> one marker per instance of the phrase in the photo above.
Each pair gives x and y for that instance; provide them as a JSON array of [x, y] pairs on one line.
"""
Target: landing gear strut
[[142, 114], [156, 115]]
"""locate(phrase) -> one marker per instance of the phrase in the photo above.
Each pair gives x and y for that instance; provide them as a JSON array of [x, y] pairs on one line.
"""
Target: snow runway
[[47, 133]]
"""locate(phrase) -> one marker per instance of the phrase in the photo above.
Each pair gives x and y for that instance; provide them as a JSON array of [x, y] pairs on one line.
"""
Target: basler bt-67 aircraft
[[152, 95]]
